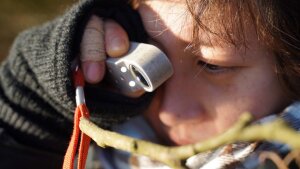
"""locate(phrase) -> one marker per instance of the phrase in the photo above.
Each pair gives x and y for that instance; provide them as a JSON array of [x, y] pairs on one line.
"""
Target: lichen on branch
[[276, 130]]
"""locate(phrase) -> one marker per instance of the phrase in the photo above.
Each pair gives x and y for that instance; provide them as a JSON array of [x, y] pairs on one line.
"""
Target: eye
[[211, 68]]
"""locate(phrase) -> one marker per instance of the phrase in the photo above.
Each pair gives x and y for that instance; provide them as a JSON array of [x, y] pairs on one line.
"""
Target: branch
[[174, 156]]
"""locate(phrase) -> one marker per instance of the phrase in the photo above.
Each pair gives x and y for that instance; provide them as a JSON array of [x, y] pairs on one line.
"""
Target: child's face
[[201, 101]]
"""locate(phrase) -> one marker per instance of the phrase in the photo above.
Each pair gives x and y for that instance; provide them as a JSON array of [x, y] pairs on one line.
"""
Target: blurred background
[[16, 16]]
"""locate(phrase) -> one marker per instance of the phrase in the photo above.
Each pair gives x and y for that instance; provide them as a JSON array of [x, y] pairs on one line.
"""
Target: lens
[[139, 76]]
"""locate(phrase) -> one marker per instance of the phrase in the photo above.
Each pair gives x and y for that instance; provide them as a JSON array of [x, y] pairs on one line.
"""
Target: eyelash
[[213, 69]]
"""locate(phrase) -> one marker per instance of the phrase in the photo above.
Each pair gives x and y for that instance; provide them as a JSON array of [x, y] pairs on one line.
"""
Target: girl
[[228, 58]]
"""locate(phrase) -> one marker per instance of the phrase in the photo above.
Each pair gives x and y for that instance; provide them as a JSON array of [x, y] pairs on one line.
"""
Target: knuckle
[[92, 43]]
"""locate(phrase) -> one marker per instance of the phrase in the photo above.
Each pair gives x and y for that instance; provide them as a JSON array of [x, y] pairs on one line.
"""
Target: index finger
[[92, 50]]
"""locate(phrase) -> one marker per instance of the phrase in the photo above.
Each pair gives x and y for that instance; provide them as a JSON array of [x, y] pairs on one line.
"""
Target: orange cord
[[80, 111]]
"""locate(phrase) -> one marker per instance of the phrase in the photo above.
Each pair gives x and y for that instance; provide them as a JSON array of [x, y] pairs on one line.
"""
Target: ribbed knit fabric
[[37, 97]]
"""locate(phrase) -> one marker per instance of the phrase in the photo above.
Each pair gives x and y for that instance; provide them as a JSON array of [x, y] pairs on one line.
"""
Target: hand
[[101, 38]]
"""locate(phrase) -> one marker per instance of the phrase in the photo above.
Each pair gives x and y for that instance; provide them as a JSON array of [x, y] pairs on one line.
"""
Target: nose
[[179, 102]]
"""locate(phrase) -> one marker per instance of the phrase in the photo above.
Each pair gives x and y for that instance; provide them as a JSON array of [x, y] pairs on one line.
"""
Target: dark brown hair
[[277, 25]]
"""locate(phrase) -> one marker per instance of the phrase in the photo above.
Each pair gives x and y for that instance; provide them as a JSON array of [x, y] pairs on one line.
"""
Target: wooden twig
[[105, 138], [174, 156]]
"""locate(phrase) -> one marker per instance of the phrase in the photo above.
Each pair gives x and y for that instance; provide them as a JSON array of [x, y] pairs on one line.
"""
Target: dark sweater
[[37, 96]]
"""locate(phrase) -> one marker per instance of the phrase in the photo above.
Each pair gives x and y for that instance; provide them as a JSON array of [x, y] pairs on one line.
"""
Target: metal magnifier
[[143, 68]]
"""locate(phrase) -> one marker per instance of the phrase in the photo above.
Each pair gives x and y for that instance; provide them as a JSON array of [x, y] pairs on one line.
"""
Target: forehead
[[216, 34], [213, 46]]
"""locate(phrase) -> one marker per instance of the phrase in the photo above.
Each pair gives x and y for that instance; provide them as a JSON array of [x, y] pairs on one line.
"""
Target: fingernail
[[117, 45]]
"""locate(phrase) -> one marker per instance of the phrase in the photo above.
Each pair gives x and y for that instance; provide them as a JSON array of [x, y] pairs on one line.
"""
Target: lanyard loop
[[80, 111]]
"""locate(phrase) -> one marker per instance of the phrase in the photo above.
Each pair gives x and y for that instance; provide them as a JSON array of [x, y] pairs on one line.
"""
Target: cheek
[[257, 92]]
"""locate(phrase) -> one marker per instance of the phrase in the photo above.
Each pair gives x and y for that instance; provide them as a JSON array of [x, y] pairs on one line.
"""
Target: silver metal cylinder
[[144, 67]]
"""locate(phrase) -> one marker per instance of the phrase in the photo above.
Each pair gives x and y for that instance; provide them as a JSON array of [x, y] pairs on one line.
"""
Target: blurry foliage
[[16, 15]]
